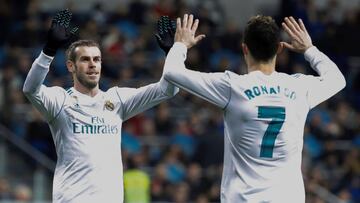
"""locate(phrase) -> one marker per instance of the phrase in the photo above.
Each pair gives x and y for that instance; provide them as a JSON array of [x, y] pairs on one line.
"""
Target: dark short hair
[[262, 37], [70, 52]]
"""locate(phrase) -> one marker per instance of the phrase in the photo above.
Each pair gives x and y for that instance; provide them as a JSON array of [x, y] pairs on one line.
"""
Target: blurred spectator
[[159, 183], [180, 193], [201, 198], [99, 15], [214, 192], [138, 11], [90, 30], [19, 113], [164, 8], [39, 135], [30, 30], [22, 193], [113, 44], [152, 143], [231, 38], [130, 143], [349, 31], [136, 184], [183, 139], [198, 184], [174, 164], [210, 148], [5, 191], [163, 122]]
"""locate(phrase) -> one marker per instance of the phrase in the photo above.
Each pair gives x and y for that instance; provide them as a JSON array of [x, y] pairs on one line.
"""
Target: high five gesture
[[186, 30], [299, 37]]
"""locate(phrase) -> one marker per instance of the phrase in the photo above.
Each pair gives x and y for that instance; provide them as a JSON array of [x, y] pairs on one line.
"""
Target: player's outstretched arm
[[331, 80], [60, 34], [136, 100], [213, 87]]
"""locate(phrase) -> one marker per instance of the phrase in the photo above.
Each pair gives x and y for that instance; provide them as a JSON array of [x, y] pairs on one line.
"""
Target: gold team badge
[[109, 105]]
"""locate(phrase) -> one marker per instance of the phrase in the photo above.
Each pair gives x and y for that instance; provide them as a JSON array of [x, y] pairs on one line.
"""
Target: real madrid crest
[[109, 105]]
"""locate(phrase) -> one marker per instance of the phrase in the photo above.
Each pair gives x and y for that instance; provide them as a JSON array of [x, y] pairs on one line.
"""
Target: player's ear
[[244, 48], [70, 66], [280, 48]]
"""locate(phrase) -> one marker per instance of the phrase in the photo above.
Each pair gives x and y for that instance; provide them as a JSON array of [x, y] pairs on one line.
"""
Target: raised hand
[[60, 32], [300, 39], [166, 29], [185, 31]]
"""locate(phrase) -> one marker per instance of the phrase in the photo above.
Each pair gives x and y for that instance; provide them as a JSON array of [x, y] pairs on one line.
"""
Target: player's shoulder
[[55, 90], [295, 78], [300, 79], [119, 93], [286, 76], [118, 90], [301, 76], [113, 91], [235, 76], [68, 91]]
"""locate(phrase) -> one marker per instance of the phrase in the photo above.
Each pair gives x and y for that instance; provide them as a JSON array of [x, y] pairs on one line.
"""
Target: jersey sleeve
[[136, 100], [328, 83], [47, 100], [213, 87]]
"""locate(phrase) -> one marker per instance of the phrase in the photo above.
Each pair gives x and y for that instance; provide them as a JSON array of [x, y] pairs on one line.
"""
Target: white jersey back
[[264, 122], [264, 118]]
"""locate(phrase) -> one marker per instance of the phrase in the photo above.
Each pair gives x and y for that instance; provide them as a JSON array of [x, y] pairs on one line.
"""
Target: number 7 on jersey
[[277, 114]]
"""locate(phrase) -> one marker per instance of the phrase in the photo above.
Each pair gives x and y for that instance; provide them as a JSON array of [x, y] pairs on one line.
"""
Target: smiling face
[[86, 67]]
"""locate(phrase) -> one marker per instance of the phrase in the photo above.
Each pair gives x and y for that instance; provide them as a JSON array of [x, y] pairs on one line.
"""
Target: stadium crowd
[[178, 145]]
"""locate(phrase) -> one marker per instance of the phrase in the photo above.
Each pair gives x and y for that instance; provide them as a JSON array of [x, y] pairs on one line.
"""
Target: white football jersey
[[87, 133], [264, 117]]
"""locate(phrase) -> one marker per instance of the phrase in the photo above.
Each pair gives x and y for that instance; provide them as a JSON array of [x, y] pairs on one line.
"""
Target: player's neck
[[265, 67], [84, 90]]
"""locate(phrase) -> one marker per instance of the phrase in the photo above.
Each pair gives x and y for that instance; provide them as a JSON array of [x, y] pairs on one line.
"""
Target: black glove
[[60, 34], [166, 29]]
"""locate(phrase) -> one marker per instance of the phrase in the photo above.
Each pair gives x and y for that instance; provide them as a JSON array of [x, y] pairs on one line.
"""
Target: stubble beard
[[81, 77]]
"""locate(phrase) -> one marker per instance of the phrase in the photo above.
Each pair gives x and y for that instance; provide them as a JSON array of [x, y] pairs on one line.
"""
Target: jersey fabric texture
[[87, 133], [264, 118]]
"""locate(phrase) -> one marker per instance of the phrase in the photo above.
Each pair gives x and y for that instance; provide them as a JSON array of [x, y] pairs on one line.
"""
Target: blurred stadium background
[[175, 150]]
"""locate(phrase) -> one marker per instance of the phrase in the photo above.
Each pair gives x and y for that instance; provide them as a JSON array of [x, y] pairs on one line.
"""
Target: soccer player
[[85, 121], [264, 110]]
